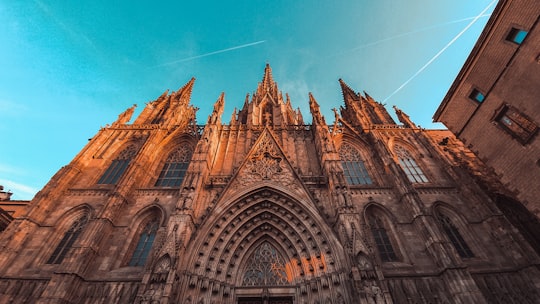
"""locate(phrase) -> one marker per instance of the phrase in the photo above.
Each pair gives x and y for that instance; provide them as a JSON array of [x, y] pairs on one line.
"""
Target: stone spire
[[362, 111], [173, 109], [404, 118], [267, 106], [125, 117], [215, 117]]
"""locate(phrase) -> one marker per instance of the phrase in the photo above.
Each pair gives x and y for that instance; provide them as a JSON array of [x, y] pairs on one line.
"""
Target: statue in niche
[[365, 267], [151, 295], [267, 118], [373, 293], [188, 200], [343, 198], [339, 299]]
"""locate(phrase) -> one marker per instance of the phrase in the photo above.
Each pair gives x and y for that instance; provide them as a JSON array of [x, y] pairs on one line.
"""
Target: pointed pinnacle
[[347, 91]]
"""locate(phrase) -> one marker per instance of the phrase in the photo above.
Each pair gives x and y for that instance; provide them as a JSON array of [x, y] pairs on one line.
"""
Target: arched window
[[118, 166], [380, 235], [146, 239], [455, 237], [408, 164], [175, 168], [265, 267], [67, 241], [354, 168]]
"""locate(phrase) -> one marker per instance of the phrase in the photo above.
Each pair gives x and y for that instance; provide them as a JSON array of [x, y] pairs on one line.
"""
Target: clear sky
[[70, 67]]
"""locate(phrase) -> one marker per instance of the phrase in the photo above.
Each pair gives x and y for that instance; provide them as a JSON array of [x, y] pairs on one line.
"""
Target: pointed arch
[[354, 167], [147, 223], [409, 165], [229, 238], [119, 165], [382, 233], [175, 167], [450, 225], [265, 266], [74, 222]]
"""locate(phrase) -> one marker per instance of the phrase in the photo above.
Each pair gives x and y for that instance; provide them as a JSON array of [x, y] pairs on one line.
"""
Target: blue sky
[[70, 67]]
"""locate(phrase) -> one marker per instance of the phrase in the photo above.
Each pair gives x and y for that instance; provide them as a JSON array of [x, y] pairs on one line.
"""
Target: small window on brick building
[[477, 96], [516, 123], [516, 36]]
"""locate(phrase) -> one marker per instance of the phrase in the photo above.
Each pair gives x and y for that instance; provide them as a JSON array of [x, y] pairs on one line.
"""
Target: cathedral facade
[[267, 209]]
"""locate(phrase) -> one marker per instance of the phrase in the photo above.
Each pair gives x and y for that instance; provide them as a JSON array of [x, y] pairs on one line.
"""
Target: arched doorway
[[265, 247]]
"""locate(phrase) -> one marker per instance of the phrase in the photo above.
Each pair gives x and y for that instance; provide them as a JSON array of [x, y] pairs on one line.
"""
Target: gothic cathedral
[[267, 209]]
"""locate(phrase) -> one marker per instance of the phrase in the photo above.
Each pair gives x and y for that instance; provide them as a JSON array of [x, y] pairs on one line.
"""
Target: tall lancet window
[[354, 168], [146, 239], [380, 235], [175, 168], [408, 164], [67, 241], [265, 267], [118, 166], [455, 237]]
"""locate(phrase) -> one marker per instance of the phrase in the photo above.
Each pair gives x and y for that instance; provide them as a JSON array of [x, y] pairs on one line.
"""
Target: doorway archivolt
[[267, 239]]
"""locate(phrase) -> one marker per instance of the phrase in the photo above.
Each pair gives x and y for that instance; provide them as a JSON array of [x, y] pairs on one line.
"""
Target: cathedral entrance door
[[271, 300]]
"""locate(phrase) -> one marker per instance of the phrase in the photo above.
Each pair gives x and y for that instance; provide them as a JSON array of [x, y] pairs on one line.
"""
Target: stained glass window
[[455, 237], [175, 168], [408, 164], [67, 241], [265, 267], [384, 246], [118, 166], [354, 168], [146, 239]]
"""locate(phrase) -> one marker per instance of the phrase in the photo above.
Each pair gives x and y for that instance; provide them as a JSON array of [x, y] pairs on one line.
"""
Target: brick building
[[493, 105], [267, 209]]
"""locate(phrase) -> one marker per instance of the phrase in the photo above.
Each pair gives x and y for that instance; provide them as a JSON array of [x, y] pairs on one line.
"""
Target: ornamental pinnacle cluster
[[268, 209]]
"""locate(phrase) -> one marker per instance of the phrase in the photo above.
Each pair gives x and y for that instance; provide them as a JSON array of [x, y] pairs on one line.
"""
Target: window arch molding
[[168, 147], [143, 218], [119, 161], [369, 177], [442, 211], [416, 171], [389, 221], [63, 224]]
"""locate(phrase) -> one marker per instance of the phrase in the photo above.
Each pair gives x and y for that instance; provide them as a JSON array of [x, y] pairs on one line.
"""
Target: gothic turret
[[404, 118], [215, 117], [170, 110], [361, 110]]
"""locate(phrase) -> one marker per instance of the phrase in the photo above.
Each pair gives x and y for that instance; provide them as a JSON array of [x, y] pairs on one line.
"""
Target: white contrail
[[427, 28], [212, 53], [441, 51]]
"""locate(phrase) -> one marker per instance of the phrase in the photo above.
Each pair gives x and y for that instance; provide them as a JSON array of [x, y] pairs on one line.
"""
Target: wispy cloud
[[441, 51], [7, 169], [18, 189], [11, 107], [77, 36], [211, 53], [427, 28]]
